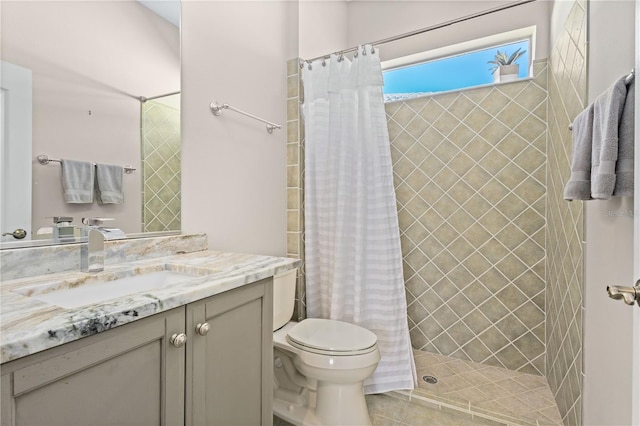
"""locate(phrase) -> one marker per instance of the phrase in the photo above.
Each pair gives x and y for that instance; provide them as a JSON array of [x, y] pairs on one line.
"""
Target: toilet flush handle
[[203, 328]]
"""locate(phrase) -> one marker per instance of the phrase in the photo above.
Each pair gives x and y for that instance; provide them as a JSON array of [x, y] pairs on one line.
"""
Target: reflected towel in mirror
[[77, 181], [109, 183]]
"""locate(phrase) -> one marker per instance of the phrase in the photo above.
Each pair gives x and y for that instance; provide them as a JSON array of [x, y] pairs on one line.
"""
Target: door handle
[[630, 295], [17, 234]]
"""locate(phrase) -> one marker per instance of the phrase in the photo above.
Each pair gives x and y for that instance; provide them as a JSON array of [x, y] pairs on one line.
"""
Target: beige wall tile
[[460, 225]]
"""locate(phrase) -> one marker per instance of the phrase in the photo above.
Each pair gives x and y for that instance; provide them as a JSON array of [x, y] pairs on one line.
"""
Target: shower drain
[[430, 379]]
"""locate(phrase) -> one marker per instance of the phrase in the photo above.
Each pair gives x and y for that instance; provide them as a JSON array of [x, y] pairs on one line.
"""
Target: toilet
[[319, 365]]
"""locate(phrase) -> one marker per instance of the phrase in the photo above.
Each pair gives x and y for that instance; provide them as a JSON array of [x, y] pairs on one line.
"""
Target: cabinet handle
[[178, 340], [203, 328]]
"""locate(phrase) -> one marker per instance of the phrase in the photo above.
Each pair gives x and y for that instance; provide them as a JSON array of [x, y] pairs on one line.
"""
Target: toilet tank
[[284, 296]]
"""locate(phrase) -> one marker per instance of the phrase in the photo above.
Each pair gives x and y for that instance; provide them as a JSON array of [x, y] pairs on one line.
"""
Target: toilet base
[[300, 397], [302, 415], [341, 405], [292, 413]]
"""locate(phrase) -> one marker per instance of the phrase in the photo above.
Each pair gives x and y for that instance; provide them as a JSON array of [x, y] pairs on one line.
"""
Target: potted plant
[[504, 66]]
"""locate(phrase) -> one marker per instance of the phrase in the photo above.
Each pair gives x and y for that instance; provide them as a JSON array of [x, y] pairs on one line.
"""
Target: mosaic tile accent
[[295, 180], [469, 172], [160, 167], [567, 98]]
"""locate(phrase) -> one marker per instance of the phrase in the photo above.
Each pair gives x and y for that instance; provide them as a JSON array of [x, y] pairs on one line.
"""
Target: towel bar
[[628, 79], [45, 159], [216, 109]]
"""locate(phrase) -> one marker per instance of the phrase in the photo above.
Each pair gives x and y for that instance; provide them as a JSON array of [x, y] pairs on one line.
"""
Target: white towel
[[77, 181], [607, 112], [109, 179]]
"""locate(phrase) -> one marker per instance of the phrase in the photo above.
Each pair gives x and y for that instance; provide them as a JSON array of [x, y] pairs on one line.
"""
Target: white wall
[[609, 240], [371, 20], [89, 56], [323, 27], [234, 172], [559, 13]]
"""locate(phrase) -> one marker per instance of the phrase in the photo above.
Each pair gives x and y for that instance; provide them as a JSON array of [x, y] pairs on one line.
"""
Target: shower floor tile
[[502, 395], [467, 393], [386, 410]]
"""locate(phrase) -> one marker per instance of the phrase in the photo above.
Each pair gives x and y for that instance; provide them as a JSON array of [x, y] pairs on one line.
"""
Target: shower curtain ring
[[373, 50], [340, 57], [324, 62], [355, 55], [310, 67], [364, 51]]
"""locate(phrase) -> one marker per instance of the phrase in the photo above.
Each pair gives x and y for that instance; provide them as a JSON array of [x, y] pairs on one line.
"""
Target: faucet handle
[[95, 221], [61, 219]]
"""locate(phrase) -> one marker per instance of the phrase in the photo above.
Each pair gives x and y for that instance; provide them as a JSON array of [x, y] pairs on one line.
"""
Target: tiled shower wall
[[567, 98], [470, 180], [295, 180], [469, 172], [160, 167]]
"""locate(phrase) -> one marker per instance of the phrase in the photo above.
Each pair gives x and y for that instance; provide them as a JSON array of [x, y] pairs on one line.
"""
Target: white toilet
[[319, 365]]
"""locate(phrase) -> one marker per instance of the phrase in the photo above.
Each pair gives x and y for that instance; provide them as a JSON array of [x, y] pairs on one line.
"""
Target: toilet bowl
[[319, 368]]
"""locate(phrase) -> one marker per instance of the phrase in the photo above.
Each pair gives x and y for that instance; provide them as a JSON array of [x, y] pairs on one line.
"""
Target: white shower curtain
[[352, 240]]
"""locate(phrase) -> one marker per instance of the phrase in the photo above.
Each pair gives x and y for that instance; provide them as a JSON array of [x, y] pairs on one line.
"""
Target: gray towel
[[579, 185], [77, 181], [109, 183], [624, 165], [607, 112]]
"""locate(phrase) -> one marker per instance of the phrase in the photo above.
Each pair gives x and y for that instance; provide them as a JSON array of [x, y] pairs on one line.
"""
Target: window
[[467, 67]]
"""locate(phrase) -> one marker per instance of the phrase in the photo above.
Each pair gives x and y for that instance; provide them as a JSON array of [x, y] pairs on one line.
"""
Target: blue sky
[[451, 73]]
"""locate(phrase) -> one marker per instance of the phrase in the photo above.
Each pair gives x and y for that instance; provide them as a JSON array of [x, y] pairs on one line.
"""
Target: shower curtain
[[353, 259]]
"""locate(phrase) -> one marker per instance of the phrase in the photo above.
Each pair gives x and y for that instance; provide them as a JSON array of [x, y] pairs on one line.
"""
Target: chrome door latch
[[630, 295]]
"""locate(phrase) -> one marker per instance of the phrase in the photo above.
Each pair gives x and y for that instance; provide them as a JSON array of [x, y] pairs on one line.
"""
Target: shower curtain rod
[[432, 27], [143, 99]]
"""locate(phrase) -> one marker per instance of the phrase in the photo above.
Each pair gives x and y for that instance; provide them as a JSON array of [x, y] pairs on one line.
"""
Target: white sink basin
[[105, 286]]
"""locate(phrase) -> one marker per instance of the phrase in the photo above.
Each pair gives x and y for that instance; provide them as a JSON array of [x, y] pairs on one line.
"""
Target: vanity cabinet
[[130, 375], [231, 366], [135, 374]]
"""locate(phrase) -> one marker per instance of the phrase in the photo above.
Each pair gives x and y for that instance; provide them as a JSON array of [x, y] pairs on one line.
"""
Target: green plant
[[502, 58]]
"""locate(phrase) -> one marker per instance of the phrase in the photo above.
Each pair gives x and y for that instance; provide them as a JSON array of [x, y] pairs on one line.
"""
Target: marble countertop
[[28, 325]]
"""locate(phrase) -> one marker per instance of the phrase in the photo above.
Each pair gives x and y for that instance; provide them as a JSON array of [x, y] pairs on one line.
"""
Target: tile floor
[[386, 410], [503, 395], [466, 394]]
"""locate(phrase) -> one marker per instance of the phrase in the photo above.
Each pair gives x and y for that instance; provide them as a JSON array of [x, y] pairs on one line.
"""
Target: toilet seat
[[331, 337]]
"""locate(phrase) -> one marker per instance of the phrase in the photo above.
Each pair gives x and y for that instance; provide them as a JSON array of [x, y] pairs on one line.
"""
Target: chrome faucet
[[92, 254]]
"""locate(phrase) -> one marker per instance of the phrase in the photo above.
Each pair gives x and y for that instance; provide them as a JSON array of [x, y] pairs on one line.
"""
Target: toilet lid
[[331, 337]]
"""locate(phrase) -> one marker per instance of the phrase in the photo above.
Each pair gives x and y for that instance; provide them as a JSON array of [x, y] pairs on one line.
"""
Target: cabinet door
[[130, 375], [229, 370]]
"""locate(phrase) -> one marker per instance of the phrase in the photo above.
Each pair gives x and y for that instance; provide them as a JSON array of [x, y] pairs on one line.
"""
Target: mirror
[[95, 81]]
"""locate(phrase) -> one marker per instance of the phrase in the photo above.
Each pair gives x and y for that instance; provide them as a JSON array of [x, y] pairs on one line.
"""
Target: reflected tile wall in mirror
[[161, 164]]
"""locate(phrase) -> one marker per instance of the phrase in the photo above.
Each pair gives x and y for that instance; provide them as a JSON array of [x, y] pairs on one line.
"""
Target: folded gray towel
[[109, 183], [607, 112], [77, 181], [624, 165], [579, 185]]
